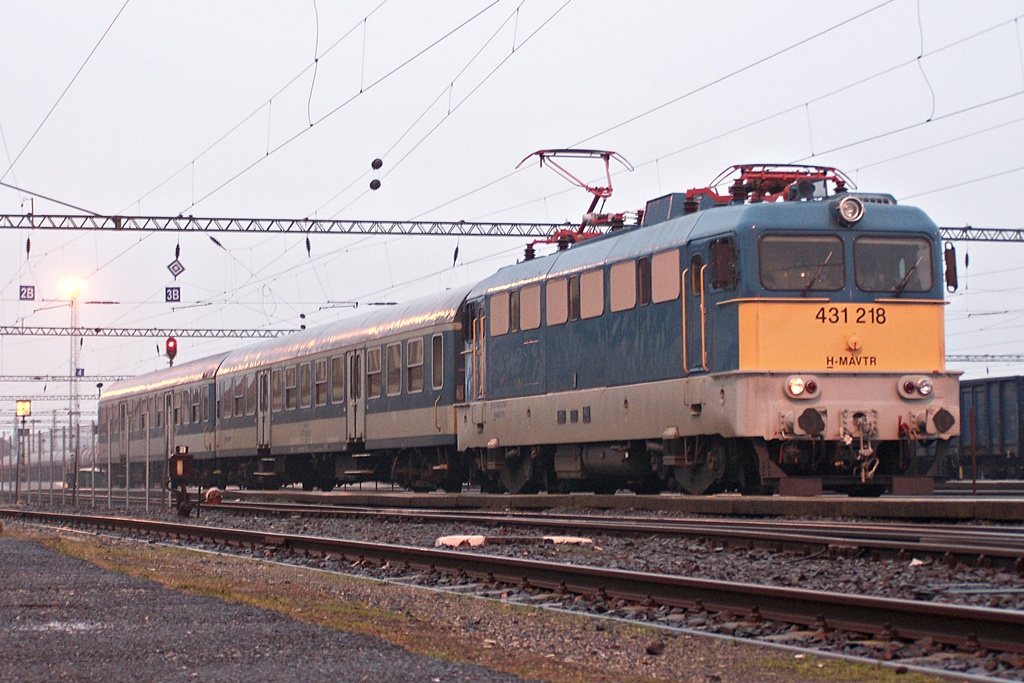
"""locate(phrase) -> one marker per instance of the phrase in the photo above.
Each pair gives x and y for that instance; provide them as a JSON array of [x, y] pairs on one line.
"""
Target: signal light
[[171, 348]]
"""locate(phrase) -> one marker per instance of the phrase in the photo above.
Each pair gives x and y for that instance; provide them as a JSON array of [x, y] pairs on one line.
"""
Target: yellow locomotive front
[[842, 347]]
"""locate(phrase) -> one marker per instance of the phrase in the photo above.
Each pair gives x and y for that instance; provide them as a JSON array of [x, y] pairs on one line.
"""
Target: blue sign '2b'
[[172, 294]]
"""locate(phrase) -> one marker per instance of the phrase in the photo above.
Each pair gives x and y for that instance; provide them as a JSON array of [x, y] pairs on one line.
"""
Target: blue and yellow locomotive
[[787, 335]]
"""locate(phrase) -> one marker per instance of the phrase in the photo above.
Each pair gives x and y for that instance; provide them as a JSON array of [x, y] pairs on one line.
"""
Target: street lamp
[[72, 289]]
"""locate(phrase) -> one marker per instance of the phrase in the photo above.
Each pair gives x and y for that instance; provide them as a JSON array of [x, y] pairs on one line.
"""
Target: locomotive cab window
[[892, 265], [801, 263]]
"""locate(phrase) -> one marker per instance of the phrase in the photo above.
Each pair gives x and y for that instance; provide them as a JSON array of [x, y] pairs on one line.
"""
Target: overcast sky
[[277, 109]]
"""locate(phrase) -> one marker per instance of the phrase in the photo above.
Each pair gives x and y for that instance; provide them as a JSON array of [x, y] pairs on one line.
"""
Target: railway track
[[955, 625], [975, 545]]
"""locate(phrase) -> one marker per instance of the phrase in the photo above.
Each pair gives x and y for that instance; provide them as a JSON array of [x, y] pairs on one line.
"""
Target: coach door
[[168, 424], [355, 403], [263, 410]]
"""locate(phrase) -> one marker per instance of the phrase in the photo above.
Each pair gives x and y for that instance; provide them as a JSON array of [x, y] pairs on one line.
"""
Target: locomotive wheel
[[519, 476], [707, 477]]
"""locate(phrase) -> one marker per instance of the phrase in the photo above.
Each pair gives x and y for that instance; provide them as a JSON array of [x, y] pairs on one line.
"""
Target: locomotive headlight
[[795, 386], [804, 387], [924, 386], [847, 210]]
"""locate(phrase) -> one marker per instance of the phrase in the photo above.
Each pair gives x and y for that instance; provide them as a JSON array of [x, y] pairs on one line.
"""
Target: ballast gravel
[[66, 619]]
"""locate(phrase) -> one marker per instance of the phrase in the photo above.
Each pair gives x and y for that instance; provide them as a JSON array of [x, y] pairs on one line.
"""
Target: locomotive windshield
[[801, 263], [892, 264]]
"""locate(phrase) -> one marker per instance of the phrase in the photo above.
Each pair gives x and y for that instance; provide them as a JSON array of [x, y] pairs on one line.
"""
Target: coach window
[[697, 275], [291, 388], [499, 314], [723, 263], [204, 398], [394, 360], [276, 390], [557, 299], [338, 379], [437, 361], [574, 297], [225, 399], [529, 307], [195, 404], [665, 276], [373, 382], [414, 373], [892, 264], [186, 407], [239, 396], [305, 386], [622, 282], [592, 294], [250, 394], [801, 263], [320, 382]]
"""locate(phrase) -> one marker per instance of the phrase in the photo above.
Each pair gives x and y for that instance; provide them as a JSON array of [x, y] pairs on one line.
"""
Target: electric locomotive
[[787, 335]]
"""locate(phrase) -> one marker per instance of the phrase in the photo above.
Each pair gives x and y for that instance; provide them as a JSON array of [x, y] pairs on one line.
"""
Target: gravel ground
[[67, 619]]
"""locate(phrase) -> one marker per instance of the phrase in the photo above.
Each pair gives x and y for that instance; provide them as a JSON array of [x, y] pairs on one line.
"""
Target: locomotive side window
[[437, 361], [373, 373], [892, 264], [592, 294], [529, 302], [665, 276], [801, 263], [696, 275], [394, 360], [643, 280], [291, 388], [414, 374], [239, 396], [320, 382], [557, 295], [338, 379], [723, 263], [622, 282], [513, 311], [305, 386], [276, 390], [574, 297], [499, 314], [250, 394]]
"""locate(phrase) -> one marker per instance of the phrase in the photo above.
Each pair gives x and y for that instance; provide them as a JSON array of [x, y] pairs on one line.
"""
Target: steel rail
[[993, 629], [979, 544]]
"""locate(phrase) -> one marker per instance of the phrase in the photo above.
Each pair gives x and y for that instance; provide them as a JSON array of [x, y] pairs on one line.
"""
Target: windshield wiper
[[817, 274], [898, 289]]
